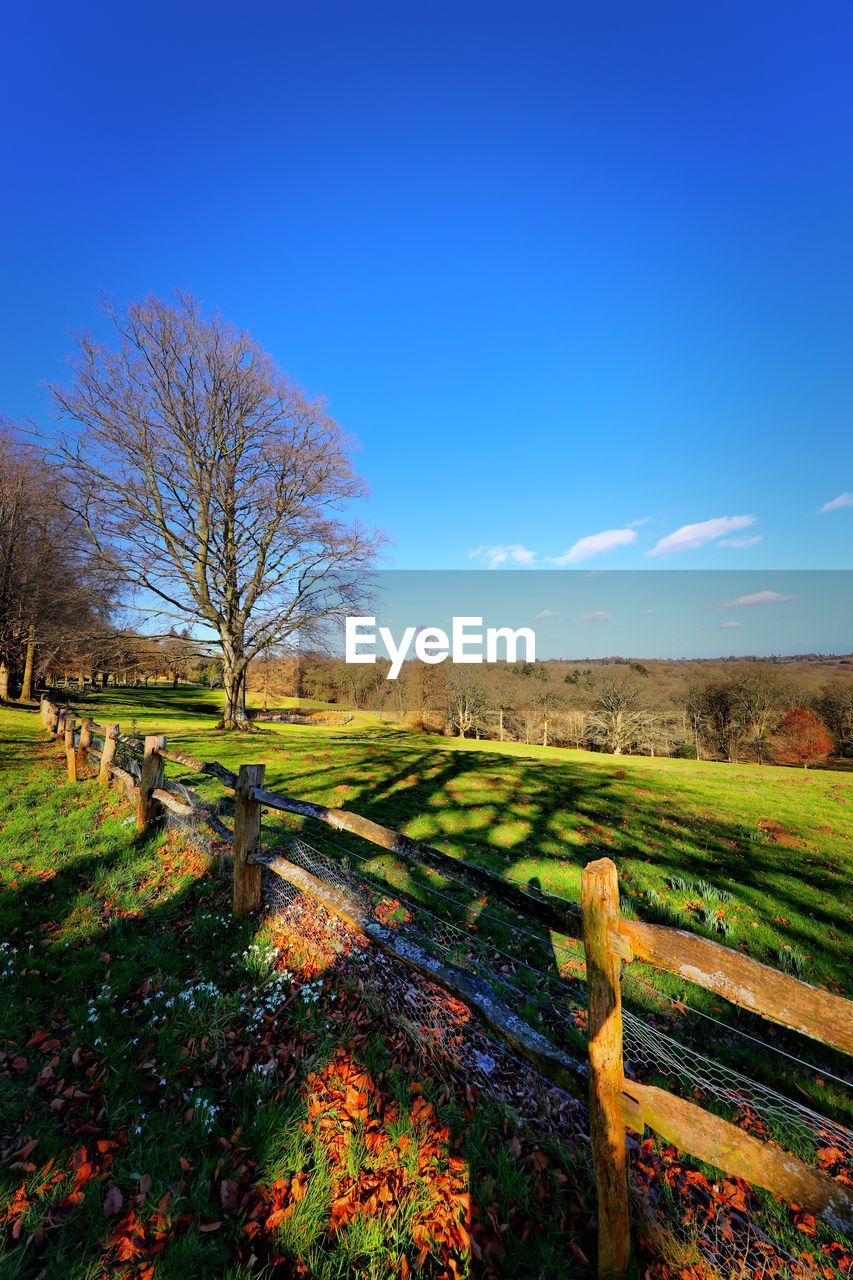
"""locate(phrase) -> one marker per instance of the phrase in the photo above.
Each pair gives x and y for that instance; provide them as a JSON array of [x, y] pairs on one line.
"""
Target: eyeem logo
[[433, 645]]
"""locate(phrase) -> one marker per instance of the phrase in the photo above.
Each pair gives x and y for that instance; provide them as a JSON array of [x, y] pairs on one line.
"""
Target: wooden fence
[[617, 1103]]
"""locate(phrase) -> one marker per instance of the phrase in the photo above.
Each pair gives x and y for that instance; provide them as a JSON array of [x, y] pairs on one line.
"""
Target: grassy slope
[[539, 813], [137, 1115], [532, 813]]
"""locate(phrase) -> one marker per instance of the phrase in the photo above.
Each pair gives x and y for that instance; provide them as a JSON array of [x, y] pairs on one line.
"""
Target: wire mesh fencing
[[442, 1028], [699, 1219]]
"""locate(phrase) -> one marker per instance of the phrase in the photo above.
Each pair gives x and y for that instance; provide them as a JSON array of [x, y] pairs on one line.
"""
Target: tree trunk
[[27, 682], [4, 680], [234, 679]]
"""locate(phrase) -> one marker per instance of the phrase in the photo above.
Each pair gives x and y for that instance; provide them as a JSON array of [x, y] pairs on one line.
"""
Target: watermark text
[[468, 642]]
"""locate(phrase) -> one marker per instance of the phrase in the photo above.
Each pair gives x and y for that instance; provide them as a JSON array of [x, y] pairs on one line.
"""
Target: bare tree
[[548, 702], [696, 714], [761, 697], [263, 668], [575, 727], [717, 709], [51, 594], [504, 697], [469, 700], [655, 731], [428, 692], [618, 713], [211, 484], [15, 536], [737, 711], [835, 705]]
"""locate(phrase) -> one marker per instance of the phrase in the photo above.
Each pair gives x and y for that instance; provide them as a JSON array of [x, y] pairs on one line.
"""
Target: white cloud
[[595, 544], [729, 626], [758, 597], [691, 536], [513, 553], [546, 613], [843, 500], [599, 615], [741, 543]]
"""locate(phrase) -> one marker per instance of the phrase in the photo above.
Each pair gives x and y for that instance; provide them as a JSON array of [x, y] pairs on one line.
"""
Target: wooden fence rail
[[778, 997], [617, 1103]]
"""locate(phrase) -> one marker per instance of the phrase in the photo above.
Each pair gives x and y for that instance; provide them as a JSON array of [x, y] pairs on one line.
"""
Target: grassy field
[[777, 839], [758, 858]]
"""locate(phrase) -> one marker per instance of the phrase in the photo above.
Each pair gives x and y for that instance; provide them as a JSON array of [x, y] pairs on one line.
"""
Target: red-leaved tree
[[802, 738]]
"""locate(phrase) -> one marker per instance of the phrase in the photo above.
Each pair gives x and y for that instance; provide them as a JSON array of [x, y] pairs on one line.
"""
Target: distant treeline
[[731, 709]]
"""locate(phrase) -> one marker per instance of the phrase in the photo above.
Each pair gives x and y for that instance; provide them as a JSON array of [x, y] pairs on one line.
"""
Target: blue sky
[[564, 271], [597, 614]]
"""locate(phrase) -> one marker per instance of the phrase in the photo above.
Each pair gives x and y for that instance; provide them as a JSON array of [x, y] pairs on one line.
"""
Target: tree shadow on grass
[[187, 700], [513, 814], [14, 751]]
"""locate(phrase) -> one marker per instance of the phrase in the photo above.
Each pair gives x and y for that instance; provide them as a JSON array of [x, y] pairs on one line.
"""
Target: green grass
[[142, 1131], [539, 814], [755, 857]]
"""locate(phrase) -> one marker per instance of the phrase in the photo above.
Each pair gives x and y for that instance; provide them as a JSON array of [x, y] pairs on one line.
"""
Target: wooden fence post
[[600, 904], [109, 749], [70, 752], [147, 808], [247, 839], [84, 743]]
